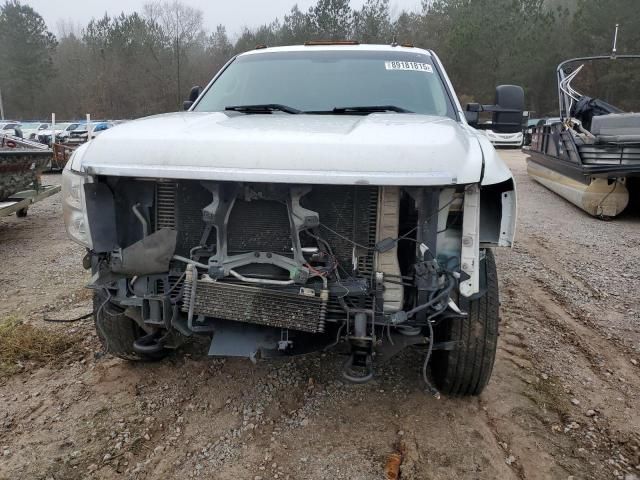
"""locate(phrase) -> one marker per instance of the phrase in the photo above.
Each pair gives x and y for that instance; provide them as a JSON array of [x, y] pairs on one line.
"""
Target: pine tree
[[25, 58], [332, 19]]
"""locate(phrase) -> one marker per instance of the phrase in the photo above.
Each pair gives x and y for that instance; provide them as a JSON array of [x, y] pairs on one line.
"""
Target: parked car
[[30, 130], [11, 128], [317, 196], [499, 139], [60, 130], [84, 132]]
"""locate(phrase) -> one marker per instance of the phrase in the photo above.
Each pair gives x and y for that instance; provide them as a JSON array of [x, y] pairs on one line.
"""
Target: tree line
[[145, 62]]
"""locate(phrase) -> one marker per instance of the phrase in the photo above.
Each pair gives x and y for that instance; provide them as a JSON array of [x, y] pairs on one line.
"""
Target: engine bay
[[277, 269]]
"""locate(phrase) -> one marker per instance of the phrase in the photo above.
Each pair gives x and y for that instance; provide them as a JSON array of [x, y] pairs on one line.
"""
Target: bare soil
[[563, 403]]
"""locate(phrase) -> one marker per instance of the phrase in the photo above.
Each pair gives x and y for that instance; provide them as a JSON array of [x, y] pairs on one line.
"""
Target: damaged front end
[[276, 269]]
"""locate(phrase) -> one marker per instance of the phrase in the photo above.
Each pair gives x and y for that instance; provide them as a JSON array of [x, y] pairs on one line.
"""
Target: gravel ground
[[563, 401]]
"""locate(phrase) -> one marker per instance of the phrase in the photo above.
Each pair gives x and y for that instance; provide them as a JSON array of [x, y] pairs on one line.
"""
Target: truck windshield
[[330, 82]]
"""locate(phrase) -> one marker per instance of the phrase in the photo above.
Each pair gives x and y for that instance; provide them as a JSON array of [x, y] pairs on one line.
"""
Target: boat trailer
[[20, 202], [21, 165]]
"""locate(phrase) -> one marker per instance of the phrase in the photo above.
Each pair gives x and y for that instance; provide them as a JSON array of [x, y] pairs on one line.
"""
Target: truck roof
[[338, 47]]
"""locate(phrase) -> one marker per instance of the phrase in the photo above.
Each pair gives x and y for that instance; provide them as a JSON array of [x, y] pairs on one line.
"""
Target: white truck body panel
[[378, 149]]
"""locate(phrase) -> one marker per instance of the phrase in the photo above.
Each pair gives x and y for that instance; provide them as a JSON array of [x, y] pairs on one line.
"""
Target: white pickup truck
[[312, 197]]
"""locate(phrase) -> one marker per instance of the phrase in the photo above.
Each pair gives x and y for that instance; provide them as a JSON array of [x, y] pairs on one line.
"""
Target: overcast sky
[[235, 14]]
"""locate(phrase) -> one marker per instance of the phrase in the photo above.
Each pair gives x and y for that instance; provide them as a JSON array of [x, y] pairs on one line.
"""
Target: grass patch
[[21, 342]]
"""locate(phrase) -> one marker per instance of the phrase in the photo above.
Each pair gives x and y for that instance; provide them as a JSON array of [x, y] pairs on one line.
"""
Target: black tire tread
[[116, 331], [467, 369]]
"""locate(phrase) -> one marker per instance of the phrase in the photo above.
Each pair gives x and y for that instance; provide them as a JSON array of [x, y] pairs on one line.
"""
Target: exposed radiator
[[350, 211], [263, 306], [262, 225], [259, 225]]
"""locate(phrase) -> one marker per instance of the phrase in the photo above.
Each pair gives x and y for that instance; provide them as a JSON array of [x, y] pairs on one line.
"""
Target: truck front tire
[[117, 332], [466, 369]]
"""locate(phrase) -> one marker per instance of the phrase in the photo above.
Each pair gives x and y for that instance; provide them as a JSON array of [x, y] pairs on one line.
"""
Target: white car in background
[[504, 139], [60, 130], [30, 130], [10, 128]]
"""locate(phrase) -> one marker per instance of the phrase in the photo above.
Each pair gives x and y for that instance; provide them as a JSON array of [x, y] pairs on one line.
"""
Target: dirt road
[[563, 403]]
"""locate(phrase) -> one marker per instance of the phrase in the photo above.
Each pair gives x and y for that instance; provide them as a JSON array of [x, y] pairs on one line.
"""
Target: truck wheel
[[466, 369], [117, 332]]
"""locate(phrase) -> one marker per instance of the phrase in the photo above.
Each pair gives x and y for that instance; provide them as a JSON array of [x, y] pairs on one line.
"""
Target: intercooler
[[243, 303]]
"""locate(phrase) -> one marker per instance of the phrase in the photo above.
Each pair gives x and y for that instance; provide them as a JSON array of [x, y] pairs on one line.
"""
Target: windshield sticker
[[410, 66]]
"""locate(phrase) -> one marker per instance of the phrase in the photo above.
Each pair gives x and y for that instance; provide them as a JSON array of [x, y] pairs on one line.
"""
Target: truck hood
[[377, 149]]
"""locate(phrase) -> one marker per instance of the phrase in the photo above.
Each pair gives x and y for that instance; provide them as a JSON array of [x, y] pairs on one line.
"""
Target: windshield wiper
[[262, 108], [365, 109]]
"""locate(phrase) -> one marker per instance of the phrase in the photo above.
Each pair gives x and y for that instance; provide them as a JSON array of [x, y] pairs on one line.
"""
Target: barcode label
[[410, 66]]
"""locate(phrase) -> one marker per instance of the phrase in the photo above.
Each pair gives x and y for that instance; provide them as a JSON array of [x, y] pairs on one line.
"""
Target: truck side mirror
[[507, 117], [472, 113], [193, 96]]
